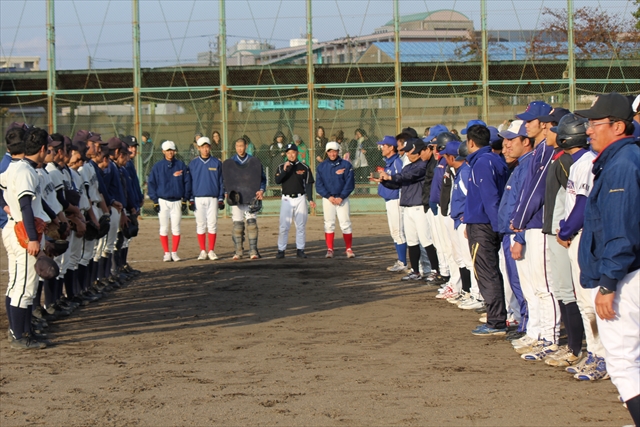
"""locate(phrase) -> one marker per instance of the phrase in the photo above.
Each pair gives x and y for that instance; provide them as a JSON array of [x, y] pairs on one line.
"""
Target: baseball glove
[[255, 206], [21, 232], [105, 223]]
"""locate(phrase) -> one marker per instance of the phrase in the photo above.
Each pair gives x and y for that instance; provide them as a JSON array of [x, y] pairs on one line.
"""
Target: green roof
[[421, 16]]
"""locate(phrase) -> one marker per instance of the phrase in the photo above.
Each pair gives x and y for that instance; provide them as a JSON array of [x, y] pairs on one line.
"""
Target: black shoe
[[481, 310], [130, 270], [300, 253], [114, 282], [57, 311], [90, 296], [280, 255], [27, 343], [514, 335], [42, 314]]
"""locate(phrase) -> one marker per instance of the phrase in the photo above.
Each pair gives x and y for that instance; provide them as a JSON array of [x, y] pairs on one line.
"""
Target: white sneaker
[[202, 256], [175, 257], [525, 341], [398, 267], [166, 257], [212, 256], [472, 304]]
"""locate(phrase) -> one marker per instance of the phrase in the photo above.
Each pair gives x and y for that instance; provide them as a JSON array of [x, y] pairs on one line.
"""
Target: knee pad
[[238, 231], [252, 228]]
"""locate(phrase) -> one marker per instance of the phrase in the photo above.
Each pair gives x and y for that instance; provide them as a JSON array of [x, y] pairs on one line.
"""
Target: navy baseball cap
[[451, 148], [494, 134], [554, 116], [534, 110], [291, 146], [516, 128], [130, 140], [414, 144], [609, 105], [471, 123], [388, 140], [410, 131], [435, 131]]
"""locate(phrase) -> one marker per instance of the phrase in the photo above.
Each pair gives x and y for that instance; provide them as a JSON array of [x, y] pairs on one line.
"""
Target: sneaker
[[166, 257], [514, 335], [532, 348], [398, 267], [524, 341], [542, 353], [483, 318], [27, 343], [329, 253], [471, 304], [237, 257], [582, 365], [412, 276], [212, 256], [300, 253], [280, 255], [462, 296], [447, 293], [484, 330], [597, 371], [175, 257], [563, 357], [431, 277], [350, 253], [202, 256], [511, 322]]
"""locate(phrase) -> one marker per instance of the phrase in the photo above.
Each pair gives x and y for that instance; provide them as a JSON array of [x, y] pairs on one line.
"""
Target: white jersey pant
[[170, 214], [559, 268], [454, 253], [293, 209], [394, 218], [86, 253], [621, 336], [544, 312], [22, 287], [11, 257], [463, 243], [437, 242], [125, 243], [71, 257], [513, 307], [112, 237], [342, 211], [416, 229], [584, 299], [206, 215], [241, 212]]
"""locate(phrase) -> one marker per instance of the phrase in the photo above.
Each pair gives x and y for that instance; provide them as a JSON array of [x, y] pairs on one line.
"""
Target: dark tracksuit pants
[[514, 281], [484, 244]]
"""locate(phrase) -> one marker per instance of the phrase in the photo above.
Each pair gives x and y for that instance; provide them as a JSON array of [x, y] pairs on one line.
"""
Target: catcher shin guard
[[252, 234], [238, 237]]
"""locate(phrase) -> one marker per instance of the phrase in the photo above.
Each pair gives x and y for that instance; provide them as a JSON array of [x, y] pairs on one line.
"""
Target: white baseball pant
[[416, 230], [454, 253], [437, 242], [394, 218], [71, 257], [463, 242], [342, 211], [112, 237], [559, 267], [21, 290], [544, 312], [241, 212], [293, 209], [584, 298], [206, 214], [621, 336], [170, 214], [11, 257]]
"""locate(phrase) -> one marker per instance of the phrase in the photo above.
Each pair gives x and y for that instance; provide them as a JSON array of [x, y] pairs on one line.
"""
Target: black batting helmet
[[443, 139], [572, 132]]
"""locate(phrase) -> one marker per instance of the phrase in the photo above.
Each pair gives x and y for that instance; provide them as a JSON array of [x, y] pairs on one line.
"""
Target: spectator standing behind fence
[[193, 149], [146, 152], [216, 145], [321, 142], [360, 163], [276, 156], [303, 151]]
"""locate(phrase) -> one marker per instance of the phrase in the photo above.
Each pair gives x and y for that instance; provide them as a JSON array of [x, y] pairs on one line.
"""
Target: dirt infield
[[283, 342]]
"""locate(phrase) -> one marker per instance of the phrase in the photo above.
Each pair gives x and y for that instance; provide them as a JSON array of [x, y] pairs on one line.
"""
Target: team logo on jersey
[[300, 172], [508, 188], [177, 173], [213, 169], [340, 171]]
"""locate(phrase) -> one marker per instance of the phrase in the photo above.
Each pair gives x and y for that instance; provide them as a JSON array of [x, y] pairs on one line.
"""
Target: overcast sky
[[175, 31]]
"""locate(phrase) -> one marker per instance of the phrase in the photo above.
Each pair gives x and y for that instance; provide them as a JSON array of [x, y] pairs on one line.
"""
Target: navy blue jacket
[[528, 213], [4, 164], [436, 184], [610, 242], [137, 191], [335, 179], [459, 194], [393, 166], [511, 196], [102, 187], [169, 180], [263, 177], [206, 178], [486, 185], [411, 179], [111, 176]]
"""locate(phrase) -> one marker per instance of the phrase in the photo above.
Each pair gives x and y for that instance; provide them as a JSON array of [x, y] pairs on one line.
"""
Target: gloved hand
[[184, 207], [434, 208], [192, 206], [220, 204], [156, 207]]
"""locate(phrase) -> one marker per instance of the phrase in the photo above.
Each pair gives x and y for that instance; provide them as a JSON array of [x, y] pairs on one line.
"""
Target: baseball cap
[[414, 145], [130, 140], [54, 143], [203, 140], [17, 125], [471, 123], [494, 134], [168, 145], [410, 131], [609, 105], [332, 146], [115, 143], [534, 110], [291, 146], [635, 104], [435, 131], [554, 116], [451, 148], [516, 128], [46, 268], [388, 140]]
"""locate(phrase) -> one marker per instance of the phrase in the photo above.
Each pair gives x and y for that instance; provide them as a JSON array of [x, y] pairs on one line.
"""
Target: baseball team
[[533, 225]]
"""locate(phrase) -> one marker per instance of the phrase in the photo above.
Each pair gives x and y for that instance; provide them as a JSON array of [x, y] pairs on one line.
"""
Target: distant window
[[28, 64], [341, 58]]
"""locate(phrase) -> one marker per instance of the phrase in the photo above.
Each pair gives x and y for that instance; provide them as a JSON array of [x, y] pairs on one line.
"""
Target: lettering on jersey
[[301, 172], [177, 173], [38, 189], [585, 186], [49, 188], [213, 169], [571, 188], [616, 190], [340, 171]]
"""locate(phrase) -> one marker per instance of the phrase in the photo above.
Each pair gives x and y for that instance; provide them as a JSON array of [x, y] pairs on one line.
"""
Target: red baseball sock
[[328, 237], [165, 243], [212, 241], [347, 240], [175, 243], [201, 242]]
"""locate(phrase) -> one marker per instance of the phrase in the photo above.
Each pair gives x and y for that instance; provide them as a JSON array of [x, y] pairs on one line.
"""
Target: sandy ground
[[283, 342]]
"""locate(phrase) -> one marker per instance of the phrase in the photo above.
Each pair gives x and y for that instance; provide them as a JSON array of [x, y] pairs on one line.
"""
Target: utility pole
[[137, 83], [51, 68], [485, 63], [397, 69], [222, 50], [572, 60]]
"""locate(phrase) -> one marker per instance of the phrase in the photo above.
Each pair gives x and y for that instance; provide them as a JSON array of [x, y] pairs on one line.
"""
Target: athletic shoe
[[350, 253], [525, 341], [541, 353], [533, 348], [462, 296], [511, 322], [202, 256], [398, 267], [300, 253], [446, 292], [484, 330], [481, 310], [483, 318], [212, 256], [598, 371], [471, 304], [27, 343], [412, 276], [431, 277], [563, 357], [514, 335], [280, 255], [167, 257], [237, 257], [582, 365], [329, 253]]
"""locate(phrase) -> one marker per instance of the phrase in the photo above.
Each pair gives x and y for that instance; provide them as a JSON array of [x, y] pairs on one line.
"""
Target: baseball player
[[297, 187], [137, 196], [169, 187], [207, 196], [335, 182], [243, 174], [608, 253]]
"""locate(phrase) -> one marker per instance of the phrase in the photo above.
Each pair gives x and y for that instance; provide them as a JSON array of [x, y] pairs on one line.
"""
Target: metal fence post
[[137, 115], [572, 62], [222, 46], [485, 63], [397, 70], [51, 67], [311, 92]]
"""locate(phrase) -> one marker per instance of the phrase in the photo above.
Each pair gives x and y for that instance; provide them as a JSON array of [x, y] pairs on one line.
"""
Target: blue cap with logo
[[534, 110], [434, 132], [471, 123], [388, 140]]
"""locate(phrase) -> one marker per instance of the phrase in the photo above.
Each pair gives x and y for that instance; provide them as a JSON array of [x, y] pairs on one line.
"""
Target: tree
[[470, 46], [636, 14]]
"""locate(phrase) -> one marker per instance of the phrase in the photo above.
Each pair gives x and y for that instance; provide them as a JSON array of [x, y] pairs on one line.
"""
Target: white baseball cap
[[515, 129], [203, 140], [332, 146], [168, 145]]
